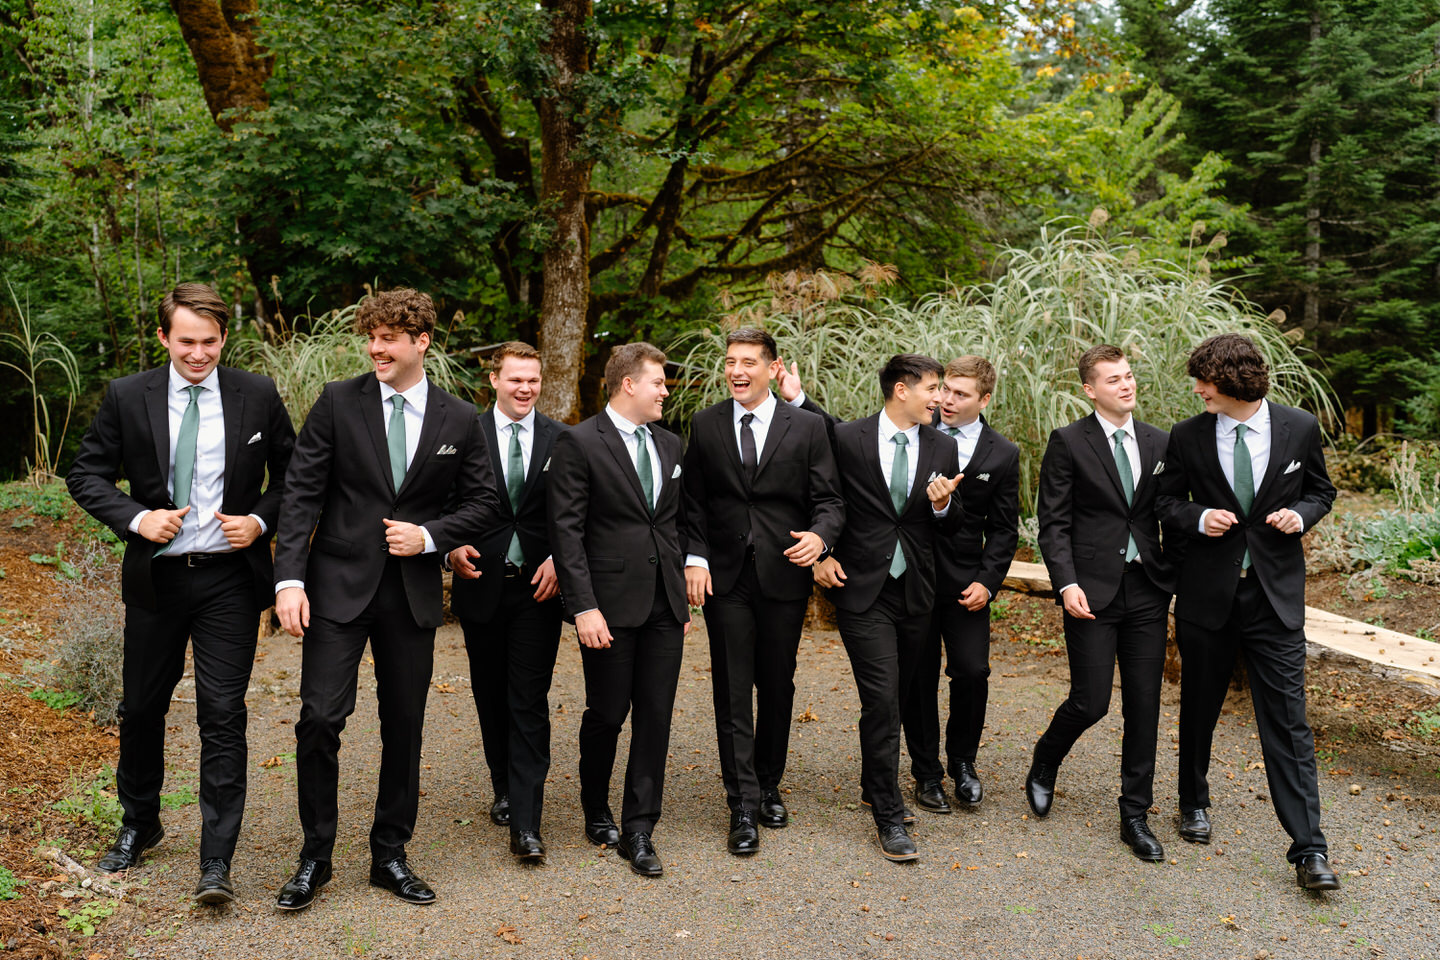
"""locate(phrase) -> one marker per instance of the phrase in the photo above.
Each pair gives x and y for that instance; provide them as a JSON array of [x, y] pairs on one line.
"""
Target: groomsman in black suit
[[388, 467], [762, 503], [898, 475], [970, 566], [504, 594], [1242, 481], [205, 449], [1100, 538], [615, 501]]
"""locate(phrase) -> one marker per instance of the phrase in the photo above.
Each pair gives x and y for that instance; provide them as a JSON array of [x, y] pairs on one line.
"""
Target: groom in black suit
[[387, 467], [762, 504], [1242, 481], [614, 527], [1100, 538], [205, 449]]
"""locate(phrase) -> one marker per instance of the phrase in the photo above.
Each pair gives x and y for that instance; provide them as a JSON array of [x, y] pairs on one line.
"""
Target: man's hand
[[1218, 521], [1285, 520], [976, 596], [808, 550], [405, 539], [939, 490], [788, 382], [460, 561], [545, 582], [160, 526], [239, 531], [593, 630], [828, 573], [293, 608], [697, 586], [1076, 604]]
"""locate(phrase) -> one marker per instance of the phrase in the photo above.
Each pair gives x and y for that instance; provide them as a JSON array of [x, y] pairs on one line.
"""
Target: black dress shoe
[[600, 827], [895, 843], [744, 838], [214, 886], [527, 845], [1313, 873], [968, 789], [772, 809], [500, 811], [396, 876], [930, 794], [644, 860], [1040, 787], [1136, 832], [906, 814], [300, 890], [1195, 826], [129, 844]]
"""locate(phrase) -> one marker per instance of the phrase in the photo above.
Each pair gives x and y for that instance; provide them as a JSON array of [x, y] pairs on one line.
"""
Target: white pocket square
[[445, 450], [676, 472], [931, 479], [1159, 468], [254, 439], [983, 476], [1294, 465], [547, 465]]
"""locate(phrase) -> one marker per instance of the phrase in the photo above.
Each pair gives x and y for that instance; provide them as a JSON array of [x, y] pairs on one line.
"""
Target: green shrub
[[10, 884]]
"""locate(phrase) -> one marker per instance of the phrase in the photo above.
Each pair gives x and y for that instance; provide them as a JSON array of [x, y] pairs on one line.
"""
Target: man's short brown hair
[[751, 335], [404, 311], [198, 297], [1096, 355], [1233, 364], [627, 360], [513, 348], [979, 369]]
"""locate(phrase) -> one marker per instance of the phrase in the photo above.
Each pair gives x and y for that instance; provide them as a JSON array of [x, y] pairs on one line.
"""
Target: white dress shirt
[[1257, 441], [628, 434], [1132, 452], [966, 438], [886, 435], [503, 427], [760, 429]]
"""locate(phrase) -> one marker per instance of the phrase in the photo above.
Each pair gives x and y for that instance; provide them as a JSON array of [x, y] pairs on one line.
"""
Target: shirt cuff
[[583, 612], [1067, 587], [799, 401], [287, 584], [135, 522], [263, 529], [941, 513], [429, 543], [1203, 514], [693, 560]]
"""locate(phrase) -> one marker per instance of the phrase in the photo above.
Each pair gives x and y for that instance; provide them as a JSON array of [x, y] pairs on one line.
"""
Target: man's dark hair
[[404, 311], [1231, 362], [909, 368], [1098, 354], [199, 297], [768, 351], [627, 360]]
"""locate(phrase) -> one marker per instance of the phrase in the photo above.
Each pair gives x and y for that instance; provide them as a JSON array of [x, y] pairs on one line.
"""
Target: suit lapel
[[431, 424], [779, 426], [983, 446], [232, 405], [610, 437], [924, 452], [374, 420], [1148, 457], [539, 453], [870, 455], [1210, 454], [1095, 434], [667, 478], [157, 412], [725, 428], [1279, 449], [492, 438]]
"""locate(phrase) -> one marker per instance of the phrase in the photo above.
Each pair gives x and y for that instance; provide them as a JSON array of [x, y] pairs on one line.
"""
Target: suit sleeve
[[1178, 515], [694, 523], [1318, 492], [306, 481], [476, 503], [569, 506], [1002, 524], [954, 517], [92, 476], [827, 498], [1052, 507], [281, 446]]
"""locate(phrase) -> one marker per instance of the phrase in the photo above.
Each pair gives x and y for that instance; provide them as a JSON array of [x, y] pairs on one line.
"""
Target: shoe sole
[[899, 857], [1195, 837], [1318, 885], [1145, 858], [215, 897], [399, 896], [775, 825], [528, 857], [296, 908], [943, 811]]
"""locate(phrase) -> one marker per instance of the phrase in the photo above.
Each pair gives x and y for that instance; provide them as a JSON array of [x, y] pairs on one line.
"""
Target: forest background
[[579, 172]]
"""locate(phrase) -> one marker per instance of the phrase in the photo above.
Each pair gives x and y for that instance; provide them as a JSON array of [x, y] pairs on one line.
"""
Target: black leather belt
[[512, 571], [201, 559]]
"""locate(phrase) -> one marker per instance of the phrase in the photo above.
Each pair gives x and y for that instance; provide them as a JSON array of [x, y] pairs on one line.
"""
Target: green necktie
[[899, 493], [395, 440], [951, 431], [1127, 483], [1244, 481], [185, 443], [644, 469], [514, 484]]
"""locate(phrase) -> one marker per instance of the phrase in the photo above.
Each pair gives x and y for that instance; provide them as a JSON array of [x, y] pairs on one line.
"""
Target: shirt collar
[[179, 383], [1258, 423], [970, 431], [764, 412], [888, 429], [621, 424], [502, 422], [1128, 426], [414, 397]]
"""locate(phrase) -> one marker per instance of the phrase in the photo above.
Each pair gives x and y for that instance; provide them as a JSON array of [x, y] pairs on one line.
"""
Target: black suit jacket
[[607, 545], [984, 545], [130, 437], [1085, 522], [1193, 481], [477, 599], [795, 487], [871, 525], [340, 487]]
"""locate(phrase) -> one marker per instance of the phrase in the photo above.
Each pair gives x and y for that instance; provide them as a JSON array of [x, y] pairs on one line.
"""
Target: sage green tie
[[899, 493], [1127, 483], [1244, 481], [644, 468], [515, 484], [395, 440], [951, 431], [185, 444]]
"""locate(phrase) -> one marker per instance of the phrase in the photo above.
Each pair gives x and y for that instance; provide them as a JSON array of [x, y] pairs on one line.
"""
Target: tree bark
[[1310, 318]]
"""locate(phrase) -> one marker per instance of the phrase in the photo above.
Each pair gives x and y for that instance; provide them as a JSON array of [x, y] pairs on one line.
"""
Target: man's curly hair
[[404, 311], [1233, 364]]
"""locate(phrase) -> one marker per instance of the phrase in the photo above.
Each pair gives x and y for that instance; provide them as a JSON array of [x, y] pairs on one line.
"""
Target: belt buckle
[[193, 560], [511, 571], [1244, 573]]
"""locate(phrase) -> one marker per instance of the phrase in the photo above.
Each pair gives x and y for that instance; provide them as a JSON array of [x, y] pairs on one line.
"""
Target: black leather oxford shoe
[[526, 845], [772, 809], [129, 844], [930, 795], [643, 857], [1195, 826], [968, 789], [895, 843], [1136, 832], [1040, 787], [500, 811], [396, 876], [600, 827], [300, 890], [1313, 873], [214, 887], [744, 838]]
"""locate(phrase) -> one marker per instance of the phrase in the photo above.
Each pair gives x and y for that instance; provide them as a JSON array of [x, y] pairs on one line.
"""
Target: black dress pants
[[213, 606], [1275, 666], [330, 663], [884, 644], [965, 636], [512, 661], [1130, 630], [753, 644], [635, 675]]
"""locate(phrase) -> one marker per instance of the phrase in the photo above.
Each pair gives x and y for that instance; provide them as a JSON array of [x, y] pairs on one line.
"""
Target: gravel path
[[990, 882]]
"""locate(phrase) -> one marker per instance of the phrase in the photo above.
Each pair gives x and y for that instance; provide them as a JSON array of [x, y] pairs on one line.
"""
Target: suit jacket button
[[1121, 552], [652, 560]]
